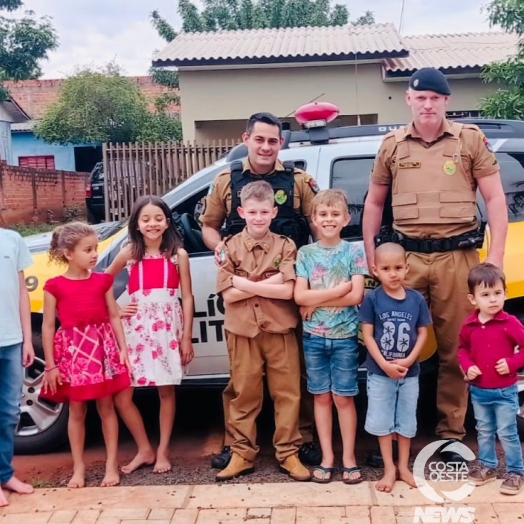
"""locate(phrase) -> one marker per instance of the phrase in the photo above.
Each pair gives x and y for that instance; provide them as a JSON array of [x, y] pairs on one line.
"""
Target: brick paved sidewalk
[[297, 503]]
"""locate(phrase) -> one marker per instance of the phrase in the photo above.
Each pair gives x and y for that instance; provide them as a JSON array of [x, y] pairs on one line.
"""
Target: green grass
[[32, 229]]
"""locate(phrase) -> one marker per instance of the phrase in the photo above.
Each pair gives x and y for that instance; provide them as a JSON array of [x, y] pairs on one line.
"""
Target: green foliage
[[164, 77], [508, 101], [23, 42], [163, 27], [103, 106], [256, 14], [159, 127], [507, 14]]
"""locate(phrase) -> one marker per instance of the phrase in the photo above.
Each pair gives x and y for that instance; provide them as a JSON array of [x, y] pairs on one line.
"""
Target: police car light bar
[[492, 128], [316, 114]]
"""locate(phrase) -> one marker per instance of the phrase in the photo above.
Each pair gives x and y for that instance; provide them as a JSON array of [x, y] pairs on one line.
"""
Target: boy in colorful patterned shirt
[[330, 284]]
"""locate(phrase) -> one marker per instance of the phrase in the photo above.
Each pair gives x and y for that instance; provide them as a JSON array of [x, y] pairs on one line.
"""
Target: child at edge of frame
[[488, 359], [256, 280], [330, 284], [16, 352], [395, 322]]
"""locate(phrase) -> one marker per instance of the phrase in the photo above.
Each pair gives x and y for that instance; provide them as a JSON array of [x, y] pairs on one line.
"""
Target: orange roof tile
[[34, 96]]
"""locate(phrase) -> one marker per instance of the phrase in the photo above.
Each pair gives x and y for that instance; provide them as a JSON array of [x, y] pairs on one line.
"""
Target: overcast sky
[[98, 31]]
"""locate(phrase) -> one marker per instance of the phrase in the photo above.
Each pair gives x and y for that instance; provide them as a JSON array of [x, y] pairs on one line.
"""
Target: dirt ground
[[196, 437]]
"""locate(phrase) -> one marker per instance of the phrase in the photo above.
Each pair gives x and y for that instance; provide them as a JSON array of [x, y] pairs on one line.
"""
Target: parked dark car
[[95, 199]]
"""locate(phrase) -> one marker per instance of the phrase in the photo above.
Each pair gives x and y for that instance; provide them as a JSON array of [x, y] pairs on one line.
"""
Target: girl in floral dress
[[86, 358], [158, 330]]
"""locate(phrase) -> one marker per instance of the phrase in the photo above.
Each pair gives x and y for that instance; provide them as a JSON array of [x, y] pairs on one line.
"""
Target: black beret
[[429, 79]]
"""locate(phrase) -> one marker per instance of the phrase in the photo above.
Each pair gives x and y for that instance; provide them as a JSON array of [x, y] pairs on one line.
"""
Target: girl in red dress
[[86, 358], [158, 329]]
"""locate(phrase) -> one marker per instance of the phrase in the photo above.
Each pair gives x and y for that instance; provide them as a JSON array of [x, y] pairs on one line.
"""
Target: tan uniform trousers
[[443, 280], [277, 355], [306, 413]]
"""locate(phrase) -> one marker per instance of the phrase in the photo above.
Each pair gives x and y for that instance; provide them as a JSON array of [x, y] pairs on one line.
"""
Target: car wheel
[[43, 424], [519, 313]]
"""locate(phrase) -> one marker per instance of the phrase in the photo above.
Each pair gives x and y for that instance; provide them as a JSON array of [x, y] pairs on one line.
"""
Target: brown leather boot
[[237, 466], [295, 469]]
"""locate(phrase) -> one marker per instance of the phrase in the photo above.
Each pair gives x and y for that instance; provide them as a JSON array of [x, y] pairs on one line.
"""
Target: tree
[[256, 14], [104, 106], [24, 41], [507, 102]]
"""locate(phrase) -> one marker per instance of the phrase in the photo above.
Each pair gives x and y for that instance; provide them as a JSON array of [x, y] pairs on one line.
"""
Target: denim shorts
[[392, 406], [331, 365]]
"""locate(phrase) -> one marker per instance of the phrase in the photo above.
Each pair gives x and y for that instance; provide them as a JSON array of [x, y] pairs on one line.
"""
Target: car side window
[[512, 177], [351, 175]]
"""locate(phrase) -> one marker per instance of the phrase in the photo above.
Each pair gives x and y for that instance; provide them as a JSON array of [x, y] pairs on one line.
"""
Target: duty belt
[[468, 240]]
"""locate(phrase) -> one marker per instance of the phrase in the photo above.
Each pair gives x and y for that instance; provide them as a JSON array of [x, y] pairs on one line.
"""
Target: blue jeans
[[331, 365], [496, 414], [392, 405], [11, 380]]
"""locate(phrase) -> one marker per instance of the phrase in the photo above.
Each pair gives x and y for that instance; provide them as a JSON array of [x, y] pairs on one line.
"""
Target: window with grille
[[38, 162]]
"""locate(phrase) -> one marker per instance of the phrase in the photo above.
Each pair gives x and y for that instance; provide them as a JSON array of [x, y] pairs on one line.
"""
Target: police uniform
[[433, 192], [219, 205], [261, 338], [217, 209]]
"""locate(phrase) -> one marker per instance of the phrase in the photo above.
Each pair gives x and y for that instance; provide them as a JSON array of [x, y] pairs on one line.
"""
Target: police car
[[337, 157]]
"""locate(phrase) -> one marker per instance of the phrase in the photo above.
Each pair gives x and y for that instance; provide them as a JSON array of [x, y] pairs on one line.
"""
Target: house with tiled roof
[[35, 96], [228, 75], [10, 114]]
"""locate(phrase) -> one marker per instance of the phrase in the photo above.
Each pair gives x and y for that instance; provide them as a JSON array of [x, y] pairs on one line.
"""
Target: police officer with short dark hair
[[294, 191]]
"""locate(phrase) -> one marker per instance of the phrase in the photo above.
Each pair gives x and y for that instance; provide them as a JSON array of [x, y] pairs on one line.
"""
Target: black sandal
[[324, 471], [349, 480]]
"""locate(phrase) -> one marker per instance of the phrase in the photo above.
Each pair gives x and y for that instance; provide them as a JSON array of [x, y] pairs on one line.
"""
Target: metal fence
[[135, 169]]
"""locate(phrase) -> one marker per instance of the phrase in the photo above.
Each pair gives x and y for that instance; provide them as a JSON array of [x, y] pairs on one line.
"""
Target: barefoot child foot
[[406, 475], [78, 479], [3, 499], [162, 464], [17, 486], [142, 458], [112, 477], [387, 482]]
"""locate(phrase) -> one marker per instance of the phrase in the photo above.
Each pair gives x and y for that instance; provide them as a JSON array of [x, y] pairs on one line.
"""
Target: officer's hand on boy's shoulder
[[502, 367]]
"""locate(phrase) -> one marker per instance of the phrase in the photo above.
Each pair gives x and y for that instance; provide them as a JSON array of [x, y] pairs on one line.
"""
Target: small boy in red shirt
[[487, 356]]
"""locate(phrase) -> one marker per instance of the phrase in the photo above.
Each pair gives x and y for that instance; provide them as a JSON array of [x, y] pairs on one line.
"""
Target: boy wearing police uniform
[[294, 192], [432, 169], [256, 279]]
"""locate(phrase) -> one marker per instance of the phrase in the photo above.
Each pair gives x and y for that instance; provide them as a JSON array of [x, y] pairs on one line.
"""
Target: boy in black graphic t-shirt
[[394, 324]]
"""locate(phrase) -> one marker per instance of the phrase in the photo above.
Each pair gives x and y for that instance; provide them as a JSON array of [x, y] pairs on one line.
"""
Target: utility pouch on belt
[[468, 240]]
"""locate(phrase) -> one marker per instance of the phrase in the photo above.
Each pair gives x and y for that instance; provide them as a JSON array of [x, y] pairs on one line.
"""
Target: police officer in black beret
[[432, 168]]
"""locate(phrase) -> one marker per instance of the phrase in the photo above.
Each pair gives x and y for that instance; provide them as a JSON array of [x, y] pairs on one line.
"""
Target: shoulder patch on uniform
[[312, 183], [486, 143]]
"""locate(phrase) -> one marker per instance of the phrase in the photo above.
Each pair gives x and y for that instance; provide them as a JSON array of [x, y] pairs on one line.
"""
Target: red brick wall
[[38, 195]]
